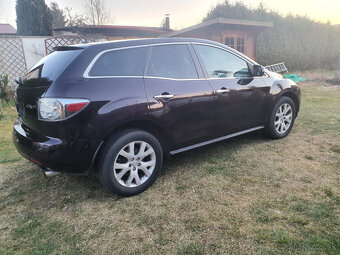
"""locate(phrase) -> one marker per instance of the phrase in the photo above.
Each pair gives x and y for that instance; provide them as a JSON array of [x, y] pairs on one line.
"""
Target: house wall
[[34, 49], [218, 33]]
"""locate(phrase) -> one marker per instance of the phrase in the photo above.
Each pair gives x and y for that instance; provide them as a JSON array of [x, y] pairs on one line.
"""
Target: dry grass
[[320, 76], [248, 195]]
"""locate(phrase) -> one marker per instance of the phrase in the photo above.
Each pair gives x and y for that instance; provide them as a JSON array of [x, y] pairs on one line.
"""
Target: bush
[[4, 89]]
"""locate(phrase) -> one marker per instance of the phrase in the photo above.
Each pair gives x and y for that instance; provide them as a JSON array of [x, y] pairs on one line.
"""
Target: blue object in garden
[[294, 77]]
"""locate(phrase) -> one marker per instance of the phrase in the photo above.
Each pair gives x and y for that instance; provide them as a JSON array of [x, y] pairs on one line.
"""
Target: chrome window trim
[[190, 147], [174, 79], [94, 60]]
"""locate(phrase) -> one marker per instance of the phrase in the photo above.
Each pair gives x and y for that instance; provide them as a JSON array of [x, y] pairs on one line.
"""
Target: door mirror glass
[[258, 70]]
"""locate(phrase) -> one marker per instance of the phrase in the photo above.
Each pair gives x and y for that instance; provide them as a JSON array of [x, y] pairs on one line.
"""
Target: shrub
[[4, 89]]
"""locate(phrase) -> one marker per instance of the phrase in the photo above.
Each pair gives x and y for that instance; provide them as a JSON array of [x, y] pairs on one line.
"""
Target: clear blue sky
[[184, 12]]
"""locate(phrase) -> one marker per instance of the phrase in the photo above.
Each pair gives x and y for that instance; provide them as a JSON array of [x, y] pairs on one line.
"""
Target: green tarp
[[294, 77]]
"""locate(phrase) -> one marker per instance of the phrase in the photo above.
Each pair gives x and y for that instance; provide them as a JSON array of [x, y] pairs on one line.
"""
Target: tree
[[95, 12], [57, 15], [74, 19], [33, 18]]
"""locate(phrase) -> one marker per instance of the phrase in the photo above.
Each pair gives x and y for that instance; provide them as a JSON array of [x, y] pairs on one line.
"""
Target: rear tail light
[[54, 109]]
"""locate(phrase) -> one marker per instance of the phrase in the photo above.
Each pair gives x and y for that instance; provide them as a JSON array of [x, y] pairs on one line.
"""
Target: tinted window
[[125, 62], [172, 61], [51, 66], [221, 64]]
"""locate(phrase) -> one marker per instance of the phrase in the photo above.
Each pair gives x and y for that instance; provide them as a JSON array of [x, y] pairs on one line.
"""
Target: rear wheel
[[130, 162], [282, 118]]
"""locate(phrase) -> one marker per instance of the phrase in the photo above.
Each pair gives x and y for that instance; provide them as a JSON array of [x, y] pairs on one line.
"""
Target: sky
[[184, 13]]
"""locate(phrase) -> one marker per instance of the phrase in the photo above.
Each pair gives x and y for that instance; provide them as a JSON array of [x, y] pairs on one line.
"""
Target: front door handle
[[222, 91], [163, 97]]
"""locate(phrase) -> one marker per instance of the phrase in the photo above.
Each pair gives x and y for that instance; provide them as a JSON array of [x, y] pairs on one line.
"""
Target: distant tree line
[[300, 42], [34, 17]]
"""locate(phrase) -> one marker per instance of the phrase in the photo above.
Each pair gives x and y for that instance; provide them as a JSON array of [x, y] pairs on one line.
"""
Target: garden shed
[[238, 34]]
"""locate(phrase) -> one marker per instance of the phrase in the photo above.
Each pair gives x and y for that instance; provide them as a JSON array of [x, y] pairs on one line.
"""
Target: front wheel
[[130, 162], [282, 118]]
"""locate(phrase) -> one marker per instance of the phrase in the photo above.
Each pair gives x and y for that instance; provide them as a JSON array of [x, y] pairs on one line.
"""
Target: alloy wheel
[[283, 118], [134, 164]]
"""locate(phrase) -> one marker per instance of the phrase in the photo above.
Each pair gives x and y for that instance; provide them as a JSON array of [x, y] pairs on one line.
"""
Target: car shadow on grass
[[31, 188], [212, 153]]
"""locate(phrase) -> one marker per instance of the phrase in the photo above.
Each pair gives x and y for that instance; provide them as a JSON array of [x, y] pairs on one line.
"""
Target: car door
[[240, 98], [180, 99]]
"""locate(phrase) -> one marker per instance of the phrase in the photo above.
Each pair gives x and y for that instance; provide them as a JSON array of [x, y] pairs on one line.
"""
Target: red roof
[[7, 29]]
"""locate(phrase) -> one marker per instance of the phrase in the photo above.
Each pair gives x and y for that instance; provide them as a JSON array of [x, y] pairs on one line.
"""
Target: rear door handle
[[222, 91], [163, 97]]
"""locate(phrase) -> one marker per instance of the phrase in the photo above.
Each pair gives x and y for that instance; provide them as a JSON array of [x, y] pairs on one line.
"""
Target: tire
[[276, 127], [127, 172]]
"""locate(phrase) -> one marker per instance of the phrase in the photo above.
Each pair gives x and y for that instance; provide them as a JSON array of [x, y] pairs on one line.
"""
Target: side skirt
[[215, 140]]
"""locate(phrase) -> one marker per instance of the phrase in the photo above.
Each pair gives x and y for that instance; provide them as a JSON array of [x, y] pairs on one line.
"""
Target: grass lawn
[[247, 195]]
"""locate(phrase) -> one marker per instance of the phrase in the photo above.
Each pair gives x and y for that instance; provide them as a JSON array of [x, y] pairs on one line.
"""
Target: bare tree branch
[[95, 12]]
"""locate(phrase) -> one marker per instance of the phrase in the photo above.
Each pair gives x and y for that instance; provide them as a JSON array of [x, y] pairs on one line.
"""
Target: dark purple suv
[[116, 108]]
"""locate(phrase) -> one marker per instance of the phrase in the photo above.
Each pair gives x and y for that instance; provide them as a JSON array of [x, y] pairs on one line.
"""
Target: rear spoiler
[[65, 48]]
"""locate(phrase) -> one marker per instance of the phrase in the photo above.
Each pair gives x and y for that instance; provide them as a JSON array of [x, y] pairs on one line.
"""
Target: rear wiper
[[19, 81]]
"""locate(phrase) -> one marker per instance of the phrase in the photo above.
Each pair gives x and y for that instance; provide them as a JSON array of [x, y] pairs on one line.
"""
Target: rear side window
[[172, 61], [124, 62], [222, 64]]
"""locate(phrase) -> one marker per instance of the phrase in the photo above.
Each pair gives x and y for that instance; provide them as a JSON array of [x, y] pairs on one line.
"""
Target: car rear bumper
[[74, 156]]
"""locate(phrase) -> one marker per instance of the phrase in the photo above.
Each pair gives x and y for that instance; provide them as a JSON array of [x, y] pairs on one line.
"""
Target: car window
[[222, 64], [50, 67], [172, 61], [124, 62]]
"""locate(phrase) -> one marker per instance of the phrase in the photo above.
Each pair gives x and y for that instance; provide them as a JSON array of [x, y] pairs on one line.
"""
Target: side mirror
[[258, 70]]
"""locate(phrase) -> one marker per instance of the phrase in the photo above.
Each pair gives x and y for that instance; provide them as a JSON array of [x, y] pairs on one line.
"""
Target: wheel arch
[[144, 125], [294, 97]]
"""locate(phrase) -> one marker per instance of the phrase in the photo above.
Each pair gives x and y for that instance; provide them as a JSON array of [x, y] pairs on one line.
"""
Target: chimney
[[167, 22]]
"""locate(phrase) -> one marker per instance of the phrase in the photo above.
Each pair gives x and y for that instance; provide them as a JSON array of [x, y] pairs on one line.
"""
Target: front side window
[[222, 64], [124, 62], [172, 61]]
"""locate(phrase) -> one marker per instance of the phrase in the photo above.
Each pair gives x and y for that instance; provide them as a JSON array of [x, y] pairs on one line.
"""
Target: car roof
[[100, 46], [136, 42]]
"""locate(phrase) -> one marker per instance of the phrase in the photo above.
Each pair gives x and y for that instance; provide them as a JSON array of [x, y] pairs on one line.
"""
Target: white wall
[[34, 49]]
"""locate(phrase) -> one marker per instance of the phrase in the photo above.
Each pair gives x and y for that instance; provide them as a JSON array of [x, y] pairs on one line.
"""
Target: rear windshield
[[50, 67]]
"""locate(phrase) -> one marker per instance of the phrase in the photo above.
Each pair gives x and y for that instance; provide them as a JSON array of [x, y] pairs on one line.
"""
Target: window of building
[[230, 41], [240, 44], [222, 64], [125, 62], [172, 61], [235, 42]]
